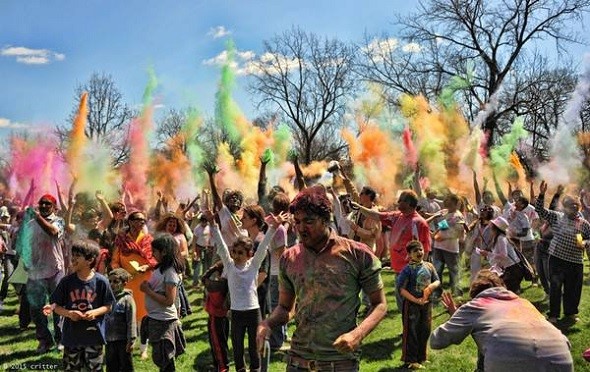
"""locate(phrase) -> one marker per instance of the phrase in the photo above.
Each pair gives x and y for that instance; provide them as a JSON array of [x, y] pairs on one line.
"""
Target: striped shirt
[[564, 244]]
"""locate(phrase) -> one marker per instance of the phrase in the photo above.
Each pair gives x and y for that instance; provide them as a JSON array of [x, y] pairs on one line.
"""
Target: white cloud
[[218, 32], [412, 48], [30, 56], [242, 63], [7, 124], [382, 46]]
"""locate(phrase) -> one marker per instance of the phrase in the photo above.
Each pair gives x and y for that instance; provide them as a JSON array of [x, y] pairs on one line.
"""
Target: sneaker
[[573, 318], [552, 320], [415, 366], [60, 347]]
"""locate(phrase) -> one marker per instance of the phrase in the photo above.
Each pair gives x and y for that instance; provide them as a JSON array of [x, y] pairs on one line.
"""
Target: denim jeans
[[440, 258]]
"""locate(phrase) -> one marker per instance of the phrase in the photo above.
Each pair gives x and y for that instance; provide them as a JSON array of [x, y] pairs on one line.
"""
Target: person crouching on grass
[[121, 325], [82, 299], [415, 284], [162, 322]]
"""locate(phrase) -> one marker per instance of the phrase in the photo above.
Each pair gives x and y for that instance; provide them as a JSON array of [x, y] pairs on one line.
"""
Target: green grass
[[381, 349]]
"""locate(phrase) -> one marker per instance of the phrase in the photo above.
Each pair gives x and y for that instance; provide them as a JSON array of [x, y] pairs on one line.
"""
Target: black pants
[[566, 280], [243, 322], [218, 328], [117, 358], [417, 323]]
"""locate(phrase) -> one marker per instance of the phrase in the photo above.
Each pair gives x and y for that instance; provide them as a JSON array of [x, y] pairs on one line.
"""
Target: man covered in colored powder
[[325, 273], [406, 225], [47, 267]]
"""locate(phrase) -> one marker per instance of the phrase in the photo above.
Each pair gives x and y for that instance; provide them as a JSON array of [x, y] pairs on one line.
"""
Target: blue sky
[[48, 47]]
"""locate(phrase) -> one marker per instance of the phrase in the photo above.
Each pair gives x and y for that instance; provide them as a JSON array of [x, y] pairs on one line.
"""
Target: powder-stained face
[[416, 254], [117, 285], [311, 229], [46, 207]]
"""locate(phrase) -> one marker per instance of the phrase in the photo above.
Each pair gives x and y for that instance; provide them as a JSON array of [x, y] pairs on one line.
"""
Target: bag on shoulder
[[527, 268]]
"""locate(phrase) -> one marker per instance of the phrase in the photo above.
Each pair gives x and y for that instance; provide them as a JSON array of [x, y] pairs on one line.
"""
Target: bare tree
[[108, 116], [309, 80], [444, 37], [169, 130]]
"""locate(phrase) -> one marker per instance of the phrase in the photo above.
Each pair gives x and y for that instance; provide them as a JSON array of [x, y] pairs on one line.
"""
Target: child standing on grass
[[242, 272], [216, 305], [415, 284], [121, 325], [82, 299], [161, 301]]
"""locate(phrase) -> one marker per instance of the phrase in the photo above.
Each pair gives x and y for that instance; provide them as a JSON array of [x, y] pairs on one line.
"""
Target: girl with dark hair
[[162, 326], [242, 272]]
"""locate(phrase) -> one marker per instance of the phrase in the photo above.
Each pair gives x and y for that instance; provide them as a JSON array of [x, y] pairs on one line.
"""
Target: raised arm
[[300, 180], [350, 188], [501, 196], [261, 190], [217, 202], [366, 211], [476, 189], [416, 181], [28, 200], [107, 213]]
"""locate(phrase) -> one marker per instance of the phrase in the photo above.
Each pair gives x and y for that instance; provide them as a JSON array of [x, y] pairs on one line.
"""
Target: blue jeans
[[440, 258]]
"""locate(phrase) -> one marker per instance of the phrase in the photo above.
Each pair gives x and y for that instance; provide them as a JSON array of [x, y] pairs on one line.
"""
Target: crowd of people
[[113, 273]]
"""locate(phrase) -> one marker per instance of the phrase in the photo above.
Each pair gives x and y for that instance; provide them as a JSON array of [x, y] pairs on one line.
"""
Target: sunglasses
[[115, 281]]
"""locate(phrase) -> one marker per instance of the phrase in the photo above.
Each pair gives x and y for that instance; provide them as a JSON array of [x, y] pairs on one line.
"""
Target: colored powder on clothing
[[77, 136]]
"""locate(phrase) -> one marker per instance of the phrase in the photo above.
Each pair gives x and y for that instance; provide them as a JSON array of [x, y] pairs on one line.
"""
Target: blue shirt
[[415, 277], [72, 293]]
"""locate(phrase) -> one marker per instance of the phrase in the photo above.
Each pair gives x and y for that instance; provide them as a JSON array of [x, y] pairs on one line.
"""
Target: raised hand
[[543, 187]]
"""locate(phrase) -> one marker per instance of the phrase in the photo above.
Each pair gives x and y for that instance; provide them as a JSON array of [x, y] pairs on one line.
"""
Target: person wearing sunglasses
[[47, 266], [133, 252]]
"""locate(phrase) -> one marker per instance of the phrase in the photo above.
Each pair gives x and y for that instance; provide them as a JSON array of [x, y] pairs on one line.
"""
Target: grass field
[[381, 350]]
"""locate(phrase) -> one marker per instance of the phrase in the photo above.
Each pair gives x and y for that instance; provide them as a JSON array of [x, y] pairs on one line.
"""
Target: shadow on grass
[[382, 349], [31, 357]]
